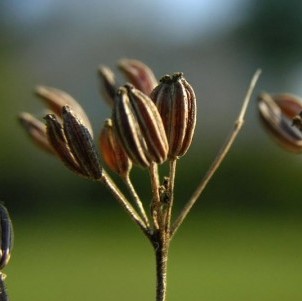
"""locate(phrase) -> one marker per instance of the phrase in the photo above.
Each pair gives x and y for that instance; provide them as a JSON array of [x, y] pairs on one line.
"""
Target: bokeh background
[[243, 239]]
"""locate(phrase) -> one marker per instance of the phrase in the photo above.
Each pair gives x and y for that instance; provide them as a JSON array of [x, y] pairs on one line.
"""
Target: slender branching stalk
[[171, 183], [137, 201], [118, 195], [155, 204], [220, 156]]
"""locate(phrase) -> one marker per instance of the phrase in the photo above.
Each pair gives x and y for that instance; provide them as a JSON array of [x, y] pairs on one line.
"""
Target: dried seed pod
[[58, 141], [113, 152], [6, 237], [139, 127], [36, 130], [277, 113], [138, 74], [81, 144], [56, 99], [108, 84], [176, 103]]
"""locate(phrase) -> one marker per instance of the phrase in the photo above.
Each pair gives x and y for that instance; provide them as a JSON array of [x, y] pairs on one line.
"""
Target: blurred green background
[[72, 241]]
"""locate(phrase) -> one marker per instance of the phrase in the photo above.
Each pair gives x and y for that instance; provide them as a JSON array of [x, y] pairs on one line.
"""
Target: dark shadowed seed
[[81, 144], [6, 237], [58, 141]]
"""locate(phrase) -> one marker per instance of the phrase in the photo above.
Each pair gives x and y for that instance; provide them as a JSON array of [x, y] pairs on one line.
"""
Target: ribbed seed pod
[[277, 113], [138, 74], [176, 103], [139, 127], [81, 144], [113, 152], [6, 237], [58, 141]]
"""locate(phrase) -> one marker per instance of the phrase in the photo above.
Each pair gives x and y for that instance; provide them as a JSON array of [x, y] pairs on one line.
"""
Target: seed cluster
[[150, 123]]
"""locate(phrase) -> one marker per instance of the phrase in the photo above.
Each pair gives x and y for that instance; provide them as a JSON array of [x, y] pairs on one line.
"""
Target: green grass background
[[102, 256]]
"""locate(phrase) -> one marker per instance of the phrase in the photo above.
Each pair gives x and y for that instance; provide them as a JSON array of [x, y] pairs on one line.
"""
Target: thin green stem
[[137, 201], [220, 157]]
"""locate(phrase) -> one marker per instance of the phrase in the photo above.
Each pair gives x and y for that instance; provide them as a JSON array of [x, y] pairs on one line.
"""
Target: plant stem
[[3, 292], [118, 195], [161, 246], [137, 201], [155, 205], [171, 193], [220, 157]]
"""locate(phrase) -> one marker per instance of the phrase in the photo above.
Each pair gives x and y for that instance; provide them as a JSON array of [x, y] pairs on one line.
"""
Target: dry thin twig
[[220, 157]]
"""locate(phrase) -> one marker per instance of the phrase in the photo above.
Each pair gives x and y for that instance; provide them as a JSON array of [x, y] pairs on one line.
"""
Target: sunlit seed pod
[[108, 84], [55, 99], [139, 127], [36, 130], [276, 113], [58, 141], [138, 74], [176, 103], [81, 144], [128, 130], [113, 152], [7, 237]]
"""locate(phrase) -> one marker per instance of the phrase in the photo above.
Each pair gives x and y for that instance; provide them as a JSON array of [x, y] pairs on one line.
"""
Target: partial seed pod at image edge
[[6, 237], [277, 113]]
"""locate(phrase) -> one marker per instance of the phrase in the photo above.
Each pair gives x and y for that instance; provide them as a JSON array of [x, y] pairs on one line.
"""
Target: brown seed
[[108, 84], [139, 127], [139, 74], [113, 152], [176, 103], [59, 143], [277, 113], [36, 130], [56, 99], [81, 144]]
